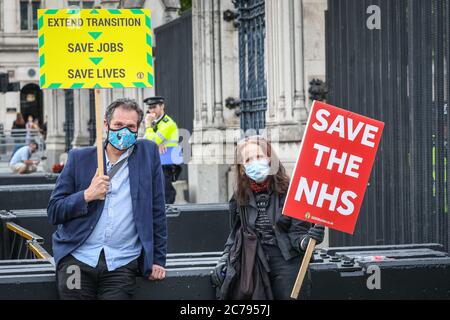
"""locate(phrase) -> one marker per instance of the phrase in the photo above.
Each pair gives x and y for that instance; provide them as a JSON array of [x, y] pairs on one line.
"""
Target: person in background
[[161, 129], [44, 129], [257, 203], [19, 123], [29, 126], [36, 125], [20, 161], [30, 122]]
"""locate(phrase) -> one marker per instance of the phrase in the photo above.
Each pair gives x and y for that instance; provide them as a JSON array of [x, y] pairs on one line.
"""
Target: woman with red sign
[[264, 250]]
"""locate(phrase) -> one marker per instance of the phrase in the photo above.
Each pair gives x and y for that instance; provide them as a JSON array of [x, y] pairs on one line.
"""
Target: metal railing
[[399, 73], [12, 140], [25, 244]]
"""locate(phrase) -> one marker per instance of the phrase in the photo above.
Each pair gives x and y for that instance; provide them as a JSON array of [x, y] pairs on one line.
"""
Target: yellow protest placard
[[95, 48]]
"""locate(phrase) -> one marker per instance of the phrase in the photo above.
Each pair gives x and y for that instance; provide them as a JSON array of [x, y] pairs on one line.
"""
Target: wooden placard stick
[[303, 268], [99, 132]]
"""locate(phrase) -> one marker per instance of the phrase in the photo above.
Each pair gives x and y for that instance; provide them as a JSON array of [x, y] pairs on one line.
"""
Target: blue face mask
[[257, 170], [122, 139]]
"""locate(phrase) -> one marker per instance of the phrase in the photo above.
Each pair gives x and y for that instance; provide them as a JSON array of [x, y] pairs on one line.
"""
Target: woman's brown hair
[[19, 119], [279, 180]]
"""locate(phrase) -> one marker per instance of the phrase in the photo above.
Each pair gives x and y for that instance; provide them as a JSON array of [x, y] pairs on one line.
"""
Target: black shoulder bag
[[242, 259]]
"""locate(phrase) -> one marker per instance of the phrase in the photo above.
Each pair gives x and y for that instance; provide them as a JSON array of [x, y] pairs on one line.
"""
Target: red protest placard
[[333, 167]]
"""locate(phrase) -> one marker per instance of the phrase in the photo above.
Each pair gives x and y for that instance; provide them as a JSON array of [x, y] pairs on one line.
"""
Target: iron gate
[[252, 77], [174, 72], [399, 74]]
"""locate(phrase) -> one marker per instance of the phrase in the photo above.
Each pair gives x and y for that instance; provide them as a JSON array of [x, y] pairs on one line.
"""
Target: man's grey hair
[[127, 104]]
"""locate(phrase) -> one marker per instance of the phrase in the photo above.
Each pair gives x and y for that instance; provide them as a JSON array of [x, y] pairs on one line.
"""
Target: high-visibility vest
[[164, 132]]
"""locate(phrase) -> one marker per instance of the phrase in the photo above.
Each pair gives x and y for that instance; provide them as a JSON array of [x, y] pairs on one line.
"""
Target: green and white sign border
[[81, 85]]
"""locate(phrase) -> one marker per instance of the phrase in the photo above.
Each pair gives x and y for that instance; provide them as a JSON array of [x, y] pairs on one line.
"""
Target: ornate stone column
[[54, 102], [216, 77], [81, 118], [295, 55], [291, 24]]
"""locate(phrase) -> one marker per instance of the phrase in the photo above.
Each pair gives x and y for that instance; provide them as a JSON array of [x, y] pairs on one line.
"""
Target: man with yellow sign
[[111, 223]]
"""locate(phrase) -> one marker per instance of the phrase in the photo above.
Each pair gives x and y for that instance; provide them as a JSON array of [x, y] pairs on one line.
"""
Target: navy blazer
[[76, 219]]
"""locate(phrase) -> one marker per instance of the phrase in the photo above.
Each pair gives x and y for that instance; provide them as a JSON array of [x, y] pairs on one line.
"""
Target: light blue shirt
[[21, 155], [115, 232]]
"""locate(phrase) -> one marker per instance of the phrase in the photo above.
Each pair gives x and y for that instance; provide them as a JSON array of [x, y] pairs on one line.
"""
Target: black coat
[[288, 232], [247, 272]]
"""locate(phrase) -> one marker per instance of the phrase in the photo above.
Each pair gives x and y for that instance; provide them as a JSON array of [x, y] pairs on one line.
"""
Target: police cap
[[153, 100]]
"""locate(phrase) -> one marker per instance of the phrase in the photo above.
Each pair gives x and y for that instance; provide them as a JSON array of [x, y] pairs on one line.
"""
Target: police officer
[[161, 129]]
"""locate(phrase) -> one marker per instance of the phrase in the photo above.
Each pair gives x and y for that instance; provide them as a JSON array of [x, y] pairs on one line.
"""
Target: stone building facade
[[19, 58], [294, 55]]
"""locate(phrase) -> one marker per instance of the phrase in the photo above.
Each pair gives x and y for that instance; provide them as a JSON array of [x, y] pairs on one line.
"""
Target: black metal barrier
[[24, 196], [27, 279], [377, 272], [191, 227], [405, 272], [186, 222], [35, 220], [187, 277], [23, 243], [197, 227], [416, 271], [34, 178]]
